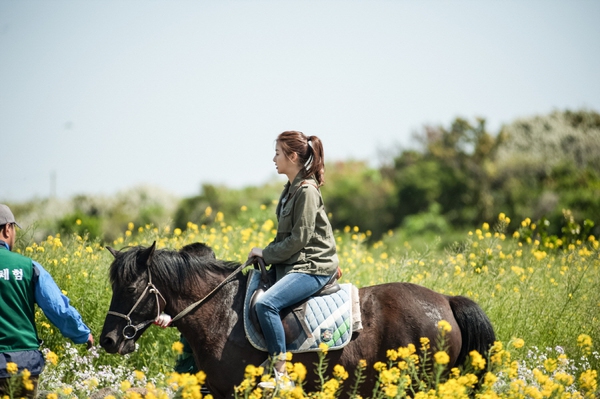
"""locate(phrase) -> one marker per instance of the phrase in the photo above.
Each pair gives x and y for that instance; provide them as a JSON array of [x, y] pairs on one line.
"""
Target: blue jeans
[[291, 289]]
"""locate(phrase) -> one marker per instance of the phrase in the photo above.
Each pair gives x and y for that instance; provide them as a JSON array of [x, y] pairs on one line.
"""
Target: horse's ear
[[146, 255], [113, 251]]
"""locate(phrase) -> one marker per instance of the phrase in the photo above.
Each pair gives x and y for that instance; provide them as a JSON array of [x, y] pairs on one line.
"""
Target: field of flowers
[[541, 295]]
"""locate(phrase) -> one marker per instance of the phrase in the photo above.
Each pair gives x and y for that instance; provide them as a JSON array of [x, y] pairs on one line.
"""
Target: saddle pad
[[328, 317]]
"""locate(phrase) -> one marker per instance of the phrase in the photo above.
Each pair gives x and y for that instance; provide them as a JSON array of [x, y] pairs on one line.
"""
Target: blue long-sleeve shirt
[[56, 306], [57, 309]]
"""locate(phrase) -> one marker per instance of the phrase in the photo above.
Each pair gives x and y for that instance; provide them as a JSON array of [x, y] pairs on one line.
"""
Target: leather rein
[[130, 330]]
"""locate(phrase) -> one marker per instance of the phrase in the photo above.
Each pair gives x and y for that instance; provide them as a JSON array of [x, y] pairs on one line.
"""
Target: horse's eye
[[131, 289]]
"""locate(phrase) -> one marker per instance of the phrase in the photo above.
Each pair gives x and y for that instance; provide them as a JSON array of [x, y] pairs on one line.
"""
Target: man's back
[[17, 321]]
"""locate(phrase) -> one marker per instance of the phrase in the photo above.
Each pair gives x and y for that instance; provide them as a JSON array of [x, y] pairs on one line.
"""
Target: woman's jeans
[[291, 289]]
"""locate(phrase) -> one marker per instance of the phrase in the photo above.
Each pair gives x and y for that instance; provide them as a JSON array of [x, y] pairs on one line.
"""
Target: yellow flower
[[391, 391], [589, 380], [340, 372], [550, 365], [52, 358], [441, 357], [125, 385], [490, 379], [330, 387], [584, 341], [177, 347], [268, 225], [477, 360], [52, 396], [406, 352], [300, 371], [379, 366], [132, 395], [444, 326], [27, 384], [324, 347], [518, 343], [91, 383], [392, 355], [139, 375], [389, 376], [12, 368]]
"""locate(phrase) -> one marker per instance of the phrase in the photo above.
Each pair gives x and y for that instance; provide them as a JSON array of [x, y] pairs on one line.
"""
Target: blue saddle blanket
[[328, 318]]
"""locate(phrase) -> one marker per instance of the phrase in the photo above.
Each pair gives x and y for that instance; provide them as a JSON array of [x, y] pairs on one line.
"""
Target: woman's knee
[[263, 304]]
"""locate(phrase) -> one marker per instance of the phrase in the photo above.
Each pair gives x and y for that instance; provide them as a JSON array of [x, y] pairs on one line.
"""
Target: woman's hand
[[255, 252]]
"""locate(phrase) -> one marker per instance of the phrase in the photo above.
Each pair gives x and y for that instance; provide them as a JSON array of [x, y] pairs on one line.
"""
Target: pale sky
[[107, 95]]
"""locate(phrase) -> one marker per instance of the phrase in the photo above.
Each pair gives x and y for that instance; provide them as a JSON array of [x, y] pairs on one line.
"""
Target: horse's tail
[[475, 327]]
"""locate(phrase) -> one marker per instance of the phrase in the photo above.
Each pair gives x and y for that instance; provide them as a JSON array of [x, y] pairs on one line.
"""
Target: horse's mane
[[176, 268]]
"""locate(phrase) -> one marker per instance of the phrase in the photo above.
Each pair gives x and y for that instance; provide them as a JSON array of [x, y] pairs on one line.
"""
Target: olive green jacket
[[304, 242]]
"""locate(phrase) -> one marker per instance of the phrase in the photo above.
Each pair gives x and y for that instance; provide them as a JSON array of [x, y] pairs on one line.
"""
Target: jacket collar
[[298, 180]]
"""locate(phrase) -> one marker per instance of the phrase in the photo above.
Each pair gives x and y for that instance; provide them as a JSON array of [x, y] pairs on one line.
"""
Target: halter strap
[[150, 288]]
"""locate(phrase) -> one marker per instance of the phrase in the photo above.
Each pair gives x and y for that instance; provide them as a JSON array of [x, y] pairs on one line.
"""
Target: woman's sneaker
[[281, 381]]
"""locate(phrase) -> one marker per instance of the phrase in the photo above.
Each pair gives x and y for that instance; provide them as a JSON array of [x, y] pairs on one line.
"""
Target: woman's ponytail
[[317, 166]]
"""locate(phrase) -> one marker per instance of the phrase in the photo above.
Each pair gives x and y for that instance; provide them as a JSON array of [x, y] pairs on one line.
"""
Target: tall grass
[[541, 296]]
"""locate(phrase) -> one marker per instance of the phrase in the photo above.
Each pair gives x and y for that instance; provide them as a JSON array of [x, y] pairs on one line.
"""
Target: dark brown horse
[[146, 281]]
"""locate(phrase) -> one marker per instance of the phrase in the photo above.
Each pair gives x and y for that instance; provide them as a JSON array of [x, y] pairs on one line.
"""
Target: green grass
[[544, 293]]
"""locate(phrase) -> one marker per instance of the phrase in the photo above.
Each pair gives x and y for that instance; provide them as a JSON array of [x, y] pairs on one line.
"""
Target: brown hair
[[309, 150]]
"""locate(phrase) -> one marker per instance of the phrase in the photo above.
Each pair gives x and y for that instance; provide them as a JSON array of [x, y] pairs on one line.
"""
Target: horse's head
[[135, 303]]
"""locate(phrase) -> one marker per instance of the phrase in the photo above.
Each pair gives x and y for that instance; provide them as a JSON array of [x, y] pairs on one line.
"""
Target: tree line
[[455, 177], [546, 168]]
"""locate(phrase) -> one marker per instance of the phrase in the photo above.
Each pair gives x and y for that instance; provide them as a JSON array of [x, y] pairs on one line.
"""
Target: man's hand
[[90, 341], [163, 320]]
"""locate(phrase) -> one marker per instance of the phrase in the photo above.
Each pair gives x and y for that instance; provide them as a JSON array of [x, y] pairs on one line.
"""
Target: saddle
[[327, 316]]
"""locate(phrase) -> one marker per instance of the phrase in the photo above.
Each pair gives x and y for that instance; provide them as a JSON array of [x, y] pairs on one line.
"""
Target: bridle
[[130, 330]]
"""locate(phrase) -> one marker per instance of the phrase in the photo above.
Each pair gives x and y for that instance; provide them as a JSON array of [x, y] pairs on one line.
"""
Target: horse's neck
[[210, 301]]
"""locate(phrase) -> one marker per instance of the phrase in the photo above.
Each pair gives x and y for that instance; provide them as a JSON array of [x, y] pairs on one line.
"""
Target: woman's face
[[283, 164]]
